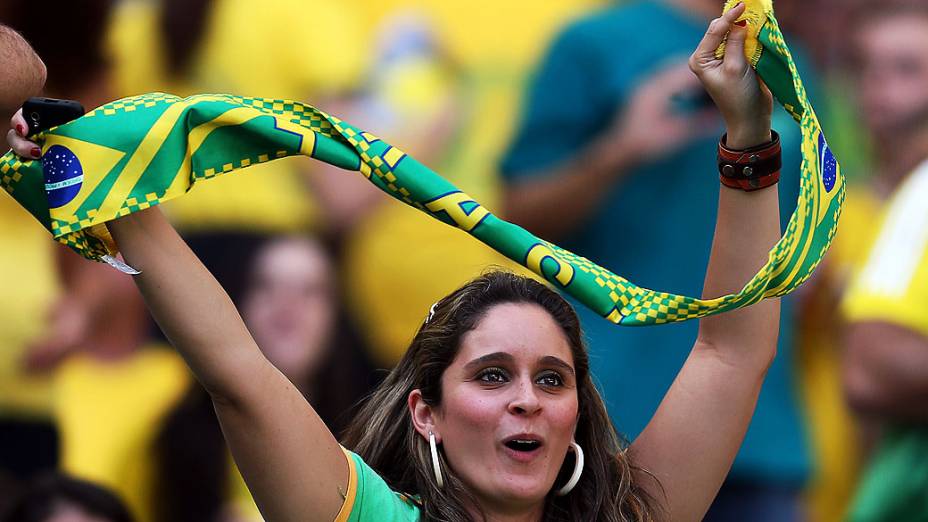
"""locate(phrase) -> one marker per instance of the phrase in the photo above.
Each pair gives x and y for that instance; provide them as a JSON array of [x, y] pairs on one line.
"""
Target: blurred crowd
[[573, 118]]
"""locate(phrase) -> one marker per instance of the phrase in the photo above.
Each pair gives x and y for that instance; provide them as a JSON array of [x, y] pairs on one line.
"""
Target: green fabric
[[374, 501], [137, 152], [895, 485]]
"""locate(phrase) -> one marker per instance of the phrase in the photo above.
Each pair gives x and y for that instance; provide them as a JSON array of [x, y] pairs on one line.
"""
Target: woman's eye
[[492, 375], [551, 379]]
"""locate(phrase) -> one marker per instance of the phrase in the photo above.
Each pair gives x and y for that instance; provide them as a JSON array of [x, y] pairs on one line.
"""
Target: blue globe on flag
[[827, 164], [64, 175]]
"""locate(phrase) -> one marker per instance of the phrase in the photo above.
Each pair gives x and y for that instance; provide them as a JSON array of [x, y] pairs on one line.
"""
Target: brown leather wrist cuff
[[750, 169]]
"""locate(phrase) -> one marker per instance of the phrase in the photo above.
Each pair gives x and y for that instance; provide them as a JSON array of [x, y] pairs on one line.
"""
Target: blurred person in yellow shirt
[[889, 60], [468, 68], [886, 307]]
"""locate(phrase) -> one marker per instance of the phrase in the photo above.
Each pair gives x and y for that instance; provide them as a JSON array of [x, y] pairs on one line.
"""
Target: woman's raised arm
[[694, 436], [292, 464]]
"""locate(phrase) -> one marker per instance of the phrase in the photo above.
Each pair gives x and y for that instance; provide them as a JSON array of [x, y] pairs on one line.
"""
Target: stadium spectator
[[886, 343]]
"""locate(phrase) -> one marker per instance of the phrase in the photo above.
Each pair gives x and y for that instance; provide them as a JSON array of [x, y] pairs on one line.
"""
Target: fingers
[[734, 13], [18, 122], [734, 47], [16, 138], [714, 37], [22, 147]]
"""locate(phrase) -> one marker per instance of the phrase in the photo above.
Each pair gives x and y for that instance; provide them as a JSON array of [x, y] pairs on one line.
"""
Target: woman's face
[[509, 406], [289, 306]]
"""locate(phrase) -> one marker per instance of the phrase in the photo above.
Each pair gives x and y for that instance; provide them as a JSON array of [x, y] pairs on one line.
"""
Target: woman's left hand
[[745, 103], [16, 138]]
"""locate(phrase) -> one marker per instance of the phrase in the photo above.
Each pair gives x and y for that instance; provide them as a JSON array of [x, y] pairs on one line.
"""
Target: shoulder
[[369, 498]]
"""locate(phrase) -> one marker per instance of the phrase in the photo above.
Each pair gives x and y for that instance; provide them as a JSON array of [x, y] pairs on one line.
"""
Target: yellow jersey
[[109, 414], [892, 286]]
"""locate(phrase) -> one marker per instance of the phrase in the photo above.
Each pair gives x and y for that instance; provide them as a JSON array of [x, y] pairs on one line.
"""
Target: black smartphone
[[44, 113]]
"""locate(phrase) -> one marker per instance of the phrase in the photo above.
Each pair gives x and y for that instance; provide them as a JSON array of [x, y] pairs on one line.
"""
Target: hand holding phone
[[44, 113]]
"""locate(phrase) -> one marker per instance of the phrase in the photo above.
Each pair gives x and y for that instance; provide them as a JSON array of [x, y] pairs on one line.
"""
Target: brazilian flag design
[[137, 152]]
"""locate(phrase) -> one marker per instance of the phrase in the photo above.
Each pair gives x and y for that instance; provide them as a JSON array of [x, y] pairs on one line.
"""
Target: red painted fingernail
[[20, 129], [36, 152], [742, 23]]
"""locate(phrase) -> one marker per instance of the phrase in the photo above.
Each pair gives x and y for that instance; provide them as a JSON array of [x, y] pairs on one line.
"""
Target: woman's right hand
[[745, 103], [16, 138]]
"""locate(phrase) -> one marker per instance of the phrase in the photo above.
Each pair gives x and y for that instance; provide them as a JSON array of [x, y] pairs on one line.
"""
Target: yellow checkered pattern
[[383, 163], [9, 172], [629, 299], [132, 104], [285, 109]]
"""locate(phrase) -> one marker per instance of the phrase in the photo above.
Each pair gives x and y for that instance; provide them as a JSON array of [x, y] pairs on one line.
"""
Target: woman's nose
[[525, 401]]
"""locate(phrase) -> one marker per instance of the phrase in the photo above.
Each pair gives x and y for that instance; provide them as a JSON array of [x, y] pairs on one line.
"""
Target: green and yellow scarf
[[141, 151]]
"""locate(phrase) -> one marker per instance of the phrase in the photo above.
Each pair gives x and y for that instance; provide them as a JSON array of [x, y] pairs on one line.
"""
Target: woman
[[478, 419]]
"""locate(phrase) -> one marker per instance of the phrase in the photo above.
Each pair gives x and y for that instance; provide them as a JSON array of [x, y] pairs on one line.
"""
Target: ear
[[423, 416]]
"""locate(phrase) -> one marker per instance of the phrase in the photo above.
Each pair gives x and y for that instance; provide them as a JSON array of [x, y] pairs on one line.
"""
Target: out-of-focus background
[[555, 114]]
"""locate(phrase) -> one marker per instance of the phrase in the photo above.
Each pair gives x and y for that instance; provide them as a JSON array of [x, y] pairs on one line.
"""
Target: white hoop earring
[[578, 470], [435, 464]]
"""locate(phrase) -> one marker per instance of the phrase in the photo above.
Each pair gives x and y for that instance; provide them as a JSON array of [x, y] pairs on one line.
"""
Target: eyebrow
[[495, 357], [503, 357], [550, 360]]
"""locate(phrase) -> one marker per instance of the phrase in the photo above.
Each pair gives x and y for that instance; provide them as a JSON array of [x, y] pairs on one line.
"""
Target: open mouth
[[523, 445]]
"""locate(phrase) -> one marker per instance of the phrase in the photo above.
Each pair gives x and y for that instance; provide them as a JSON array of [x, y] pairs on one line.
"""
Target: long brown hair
[[383, 434]]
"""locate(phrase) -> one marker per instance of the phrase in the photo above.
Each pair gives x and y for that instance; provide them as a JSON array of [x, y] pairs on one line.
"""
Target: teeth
[[523, 444]]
